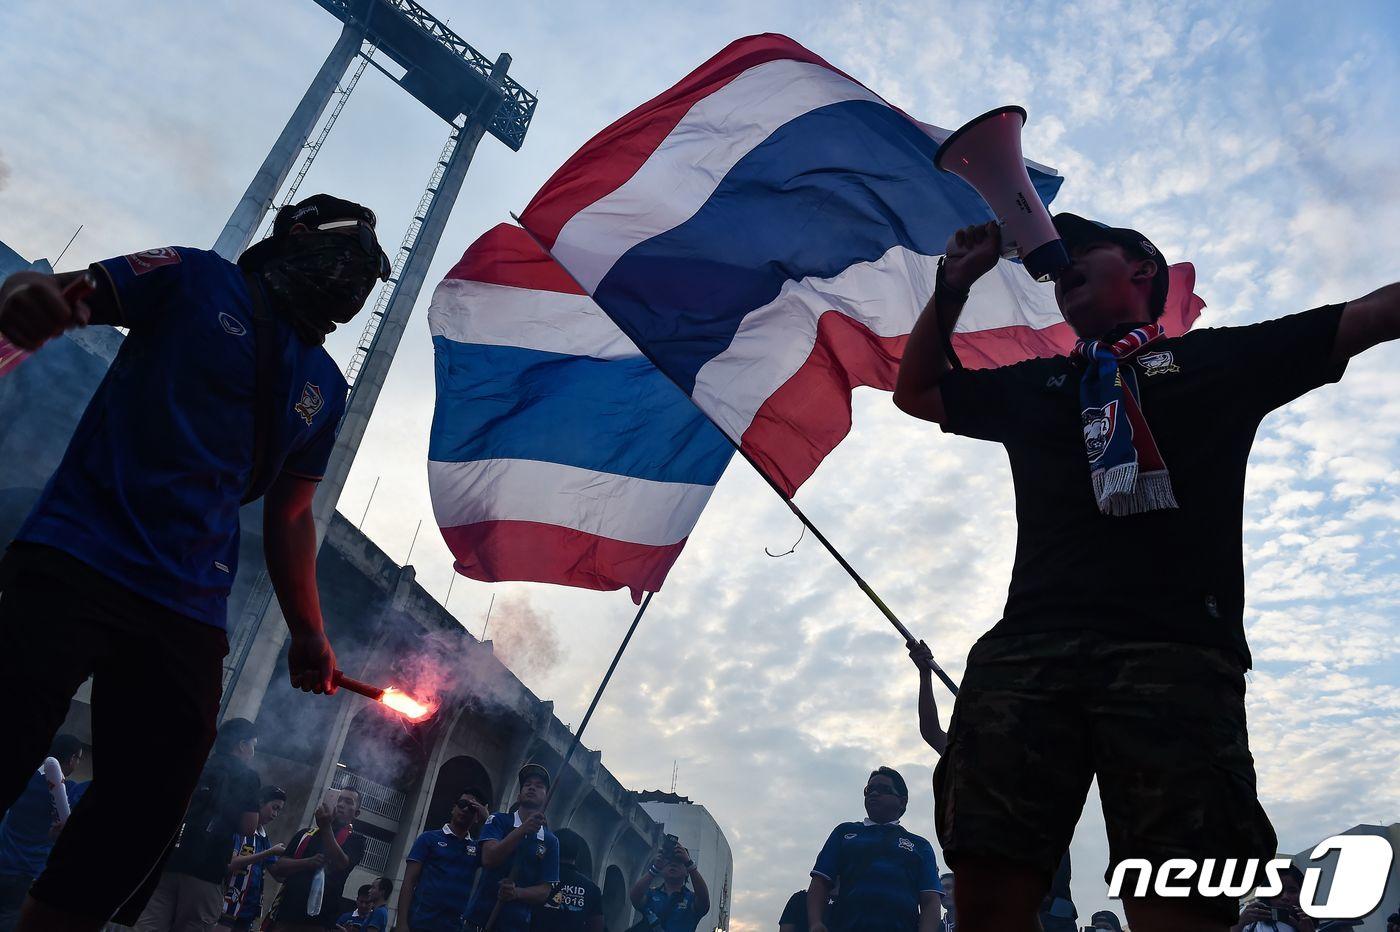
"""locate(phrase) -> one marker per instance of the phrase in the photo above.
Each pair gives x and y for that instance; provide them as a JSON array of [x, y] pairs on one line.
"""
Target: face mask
[[319, 280]]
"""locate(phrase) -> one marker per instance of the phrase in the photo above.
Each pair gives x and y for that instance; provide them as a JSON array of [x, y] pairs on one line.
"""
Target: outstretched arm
[[35, 307], [1368, 321]]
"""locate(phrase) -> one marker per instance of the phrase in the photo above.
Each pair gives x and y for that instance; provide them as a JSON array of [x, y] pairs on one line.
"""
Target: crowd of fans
[[508, 872]]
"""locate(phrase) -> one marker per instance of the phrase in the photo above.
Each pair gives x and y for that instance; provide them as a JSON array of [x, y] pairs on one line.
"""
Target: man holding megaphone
[[1121, 654]]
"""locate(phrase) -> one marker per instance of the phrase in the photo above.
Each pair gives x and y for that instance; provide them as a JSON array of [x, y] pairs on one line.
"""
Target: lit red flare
[[401, 702]]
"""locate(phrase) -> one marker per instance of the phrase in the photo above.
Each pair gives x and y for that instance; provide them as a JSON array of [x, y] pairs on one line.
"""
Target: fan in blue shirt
[[671, 906], [26, 835], [437, 880], [366, 917], [252, 855], [221, 393], [519, 857], [887, 874]]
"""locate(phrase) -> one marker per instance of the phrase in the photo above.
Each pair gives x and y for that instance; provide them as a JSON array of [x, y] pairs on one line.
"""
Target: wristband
[[651, 869], [941, 288], [689, 866]]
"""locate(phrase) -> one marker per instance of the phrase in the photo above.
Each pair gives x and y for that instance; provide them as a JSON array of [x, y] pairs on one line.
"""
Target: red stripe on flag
[[609, 159], [810, 413], [528, 551], [505, 255]]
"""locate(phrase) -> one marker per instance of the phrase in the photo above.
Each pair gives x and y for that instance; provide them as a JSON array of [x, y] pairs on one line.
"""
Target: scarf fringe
[[1122, 491]]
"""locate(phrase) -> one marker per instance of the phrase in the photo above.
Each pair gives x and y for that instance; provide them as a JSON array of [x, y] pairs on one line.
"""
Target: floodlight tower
[[474, 96]]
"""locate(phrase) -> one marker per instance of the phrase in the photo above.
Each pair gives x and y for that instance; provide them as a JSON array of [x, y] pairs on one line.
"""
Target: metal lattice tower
[[342, 95], [475, 96], [386, 291]]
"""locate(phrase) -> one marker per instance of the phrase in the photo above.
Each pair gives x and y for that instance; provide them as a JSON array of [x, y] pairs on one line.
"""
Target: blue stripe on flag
[[617, 416], [838, 185]]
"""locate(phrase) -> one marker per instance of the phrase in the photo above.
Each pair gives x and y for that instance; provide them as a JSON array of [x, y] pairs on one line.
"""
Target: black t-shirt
[[574, 901], [227, 789], [1172, 575], [291, 899], [795, 912]]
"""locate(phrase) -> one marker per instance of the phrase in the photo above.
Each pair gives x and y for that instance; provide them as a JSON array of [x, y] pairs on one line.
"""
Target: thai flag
[[558, 453], [766, 233]]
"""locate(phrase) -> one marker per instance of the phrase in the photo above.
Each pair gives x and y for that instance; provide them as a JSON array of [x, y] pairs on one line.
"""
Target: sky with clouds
[[1256, 140]]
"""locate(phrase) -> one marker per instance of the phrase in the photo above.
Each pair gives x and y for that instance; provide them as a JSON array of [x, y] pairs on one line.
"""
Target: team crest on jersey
[[906, 844], [310, 404], [539, 850], [1098, 428], [150, 259], [1158, 363]]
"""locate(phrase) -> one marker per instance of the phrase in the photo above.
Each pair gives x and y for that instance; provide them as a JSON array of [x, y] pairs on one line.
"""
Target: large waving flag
[[558, 452], [765, 233]]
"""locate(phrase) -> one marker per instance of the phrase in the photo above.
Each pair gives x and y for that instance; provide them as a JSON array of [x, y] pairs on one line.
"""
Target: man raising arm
[[1128, 460]]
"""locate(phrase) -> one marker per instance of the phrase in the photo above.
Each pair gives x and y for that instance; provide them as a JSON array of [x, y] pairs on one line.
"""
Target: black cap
[[534, 770], [1077, 231], [317, 209], [312, 211]]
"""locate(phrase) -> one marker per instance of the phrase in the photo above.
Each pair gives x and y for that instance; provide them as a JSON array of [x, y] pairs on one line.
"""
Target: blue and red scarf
[[1125, 465]]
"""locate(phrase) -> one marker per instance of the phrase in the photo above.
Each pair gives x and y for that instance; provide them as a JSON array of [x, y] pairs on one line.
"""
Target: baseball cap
[[534, 770], [1078, 231]]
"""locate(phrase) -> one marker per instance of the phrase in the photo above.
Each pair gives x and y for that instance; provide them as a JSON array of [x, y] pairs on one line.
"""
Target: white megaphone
[[986, 153]]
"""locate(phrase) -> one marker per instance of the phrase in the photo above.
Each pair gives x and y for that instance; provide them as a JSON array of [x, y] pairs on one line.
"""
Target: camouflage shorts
[[1161, 725]]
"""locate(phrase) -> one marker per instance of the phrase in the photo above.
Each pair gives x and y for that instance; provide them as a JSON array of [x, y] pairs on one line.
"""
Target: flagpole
[[787, 499], [578, 735]]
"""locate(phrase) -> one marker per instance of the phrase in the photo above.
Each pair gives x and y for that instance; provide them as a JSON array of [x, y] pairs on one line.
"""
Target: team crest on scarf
[[310, 404], [1099, 424], [1127, 470]]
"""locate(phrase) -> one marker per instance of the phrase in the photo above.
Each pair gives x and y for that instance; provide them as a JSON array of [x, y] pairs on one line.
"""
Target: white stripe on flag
[[886, 295], [639, 511], [501, 315], [689, 164]]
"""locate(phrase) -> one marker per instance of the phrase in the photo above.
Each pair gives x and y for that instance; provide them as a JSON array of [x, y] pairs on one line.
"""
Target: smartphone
[[330, 798], [668, 846]]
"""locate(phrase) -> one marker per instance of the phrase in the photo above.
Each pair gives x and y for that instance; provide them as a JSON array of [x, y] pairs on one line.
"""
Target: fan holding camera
[[1280, 913], [670, 906]]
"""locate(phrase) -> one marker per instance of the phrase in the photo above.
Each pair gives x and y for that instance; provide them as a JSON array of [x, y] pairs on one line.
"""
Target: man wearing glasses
[[222, 393], [437, 881], [888, 876]]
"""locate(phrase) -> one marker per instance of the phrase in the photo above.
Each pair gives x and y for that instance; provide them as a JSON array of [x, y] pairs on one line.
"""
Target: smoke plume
[[524, 637]]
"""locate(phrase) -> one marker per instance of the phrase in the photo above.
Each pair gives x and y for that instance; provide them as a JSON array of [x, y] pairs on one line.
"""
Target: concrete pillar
[[249, 213], [250, 682]]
